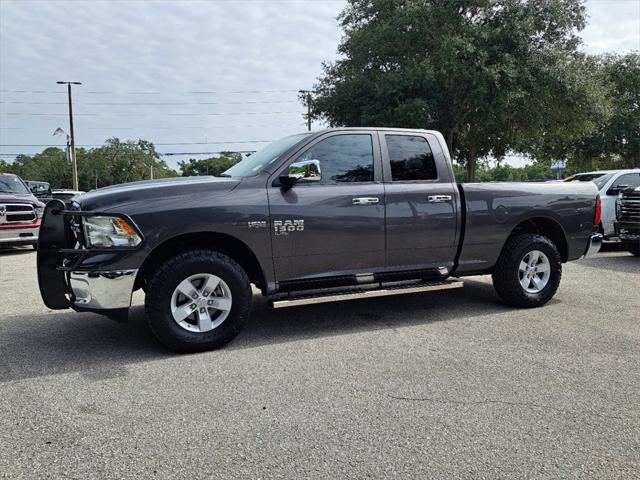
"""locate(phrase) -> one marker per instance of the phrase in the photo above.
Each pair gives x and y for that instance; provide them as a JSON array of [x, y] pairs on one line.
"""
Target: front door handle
[[439, 198], [365, 200]]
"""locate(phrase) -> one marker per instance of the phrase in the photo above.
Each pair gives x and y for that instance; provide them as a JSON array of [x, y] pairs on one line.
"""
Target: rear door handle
[[439, 198], [365, 200]]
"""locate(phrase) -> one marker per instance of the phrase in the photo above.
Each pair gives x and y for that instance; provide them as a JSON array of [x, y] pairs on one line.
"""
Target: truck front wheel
[[528, 271], [198, 300]]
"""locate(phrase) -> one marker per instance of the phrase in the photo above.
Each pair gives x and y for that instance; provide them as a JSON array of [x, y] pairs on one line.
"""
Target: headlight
[[104, 232], [39, 211]]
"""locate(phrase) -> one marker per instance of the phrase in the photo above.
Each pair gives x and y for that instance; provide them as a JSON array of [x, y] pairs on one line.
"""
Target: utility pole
[[74, 163], [308, 98]]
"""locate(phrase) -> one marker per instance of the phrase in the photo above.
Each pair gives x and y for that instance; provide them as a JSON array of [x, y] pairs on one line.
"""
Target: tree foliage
[[492, 75], [616, 140], [502, 172], [114, 162], [209, 166]]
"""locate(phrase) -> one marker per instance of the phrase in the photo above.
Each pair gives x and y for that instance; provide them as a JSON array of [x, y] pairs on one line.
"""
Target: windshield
[[258, 161], [600, 179], [12, 184]]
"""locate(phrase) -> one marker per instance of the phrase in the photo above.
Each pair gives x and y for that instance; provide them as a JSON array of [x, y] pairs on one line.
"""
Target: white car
[[610, 183]]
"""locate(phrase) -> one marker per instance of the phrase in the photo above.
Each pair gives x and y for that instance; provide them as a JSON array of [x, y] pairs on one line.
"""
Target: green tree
[[209, 166], [114, 162], [616, 140], [120, 162], [50, 165], [492, 75]]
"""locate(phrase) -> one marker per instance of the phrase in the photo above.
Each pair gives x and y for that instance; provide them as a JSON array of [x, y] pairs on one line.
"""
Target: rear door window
[[411, 158]]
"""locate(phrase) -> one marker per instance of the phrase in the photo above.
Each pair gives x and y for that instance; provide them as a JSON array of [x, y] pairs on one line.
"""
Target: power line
[[189, 92], [162, 144], [250, 102], [218, 114], [169, 127], [159, 153], [169, 154]]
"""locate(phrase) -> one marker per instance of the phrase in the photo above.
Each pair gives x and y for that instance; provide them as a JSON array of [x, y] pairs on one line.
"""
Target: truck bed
[[492, 211]]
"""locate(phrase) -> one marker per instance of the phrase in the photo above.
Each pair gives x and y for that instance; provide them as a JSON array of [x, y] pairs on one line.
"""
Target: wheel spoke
[[523, 266], [187, 289], [204, 320], [183, 312], [221, 303], [524, 281], [537, 281], [211, 284], [533, 258], [543, 267]]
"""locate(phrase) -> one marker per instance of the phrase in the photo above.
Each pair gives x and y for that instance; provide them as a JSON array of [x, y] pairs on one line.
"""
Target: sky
[[190, 76]]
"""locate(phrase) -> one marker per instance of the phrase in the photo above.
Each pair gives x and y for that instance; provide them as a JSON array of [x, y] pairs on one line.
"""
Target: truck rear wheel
[[528, 271], [198, 300], [632, 246]]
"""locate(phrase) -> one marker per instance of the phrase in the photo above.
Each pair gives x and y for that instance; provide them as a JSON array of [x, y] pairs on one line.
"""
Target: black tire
[[506, 277], [165, 280], [632, 246]]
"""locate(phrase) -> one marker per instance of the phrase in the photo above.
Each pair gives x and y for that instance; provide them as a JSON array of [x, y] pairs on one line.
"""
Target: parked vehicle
[[41, 190], [610, 183], [20, 212], [628, 216], [334, 215], [66, 195]]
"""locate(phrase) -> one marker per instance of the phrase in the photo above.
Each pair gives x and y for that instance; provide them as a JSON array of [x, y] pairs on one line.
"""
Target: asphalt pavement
[[449, 384]]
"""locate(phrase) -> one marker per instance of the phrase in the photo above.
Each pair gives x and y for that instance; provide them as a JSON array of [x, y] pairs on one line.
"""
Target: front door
[[335, 225], [420, 203]]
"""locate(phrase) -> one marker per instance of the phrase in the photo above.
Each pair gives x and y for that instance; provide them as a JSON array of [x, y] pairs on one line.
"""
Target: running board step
[[340, 296]]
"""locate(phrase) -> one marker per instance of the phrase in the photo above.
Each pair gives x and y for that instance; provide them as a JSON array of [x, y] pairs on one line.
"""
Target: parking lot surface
[[439, 385]]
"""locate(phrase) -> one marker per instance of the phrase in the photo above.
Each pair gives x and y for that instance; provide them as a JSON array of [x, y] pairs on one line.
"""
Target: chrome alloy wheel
[[534, 271], [201, 302]]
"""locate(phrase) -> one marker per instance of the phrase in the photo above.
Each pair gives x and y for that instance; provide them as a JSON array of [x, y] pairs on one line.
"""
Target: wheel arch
[[548, 227], [224, 243]]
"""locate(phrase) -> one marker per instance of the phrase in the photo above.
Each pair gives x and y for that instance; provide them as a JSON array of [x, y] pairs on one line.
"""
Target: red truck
[[20, 212]]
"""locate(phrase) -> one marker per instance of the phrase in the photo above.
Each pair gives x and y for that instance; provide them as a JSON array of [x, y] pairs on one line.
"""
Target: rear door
[[334, 226], [421, 203]]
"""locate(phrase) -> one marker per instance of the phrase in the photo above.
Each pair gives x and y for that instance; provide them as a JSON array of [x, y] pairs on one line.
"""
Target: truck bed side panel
[[493, 210]]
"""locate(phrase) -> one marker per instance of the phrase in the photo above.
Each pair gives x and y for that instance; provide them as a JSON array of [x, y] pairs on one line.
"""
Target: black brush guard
[[61, 249]]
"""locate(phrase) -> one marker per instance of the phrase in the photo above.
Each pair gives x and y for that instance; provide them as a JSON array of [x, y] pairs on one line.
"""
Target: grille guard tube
[[53, 236]]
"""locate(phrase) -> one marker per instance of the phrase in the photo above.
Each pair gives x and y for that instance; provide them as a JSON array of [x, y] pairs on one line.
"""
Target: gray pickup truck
[[316, 217]]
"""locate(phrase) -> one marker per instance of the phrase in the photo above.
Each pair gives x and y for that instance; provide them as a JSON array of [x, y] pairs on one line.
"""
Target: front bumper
[[593, 247], [102, 290], [23, 234]]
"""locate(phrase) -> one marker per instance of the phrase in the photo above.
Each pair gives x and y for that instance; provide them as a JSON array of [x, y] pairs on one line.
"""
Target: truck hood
[[20, 198], [114, 197]]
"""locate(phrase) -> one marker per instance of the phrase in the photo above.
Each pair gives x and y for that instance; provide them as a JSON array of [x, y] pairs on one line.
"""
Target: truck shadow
[[625, 262], [99, 348], [15, 250]]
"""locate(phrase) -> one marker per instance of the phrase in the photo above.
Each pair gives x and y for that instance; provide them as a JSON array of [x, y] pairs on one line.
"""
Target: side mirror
[[304, 171]]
